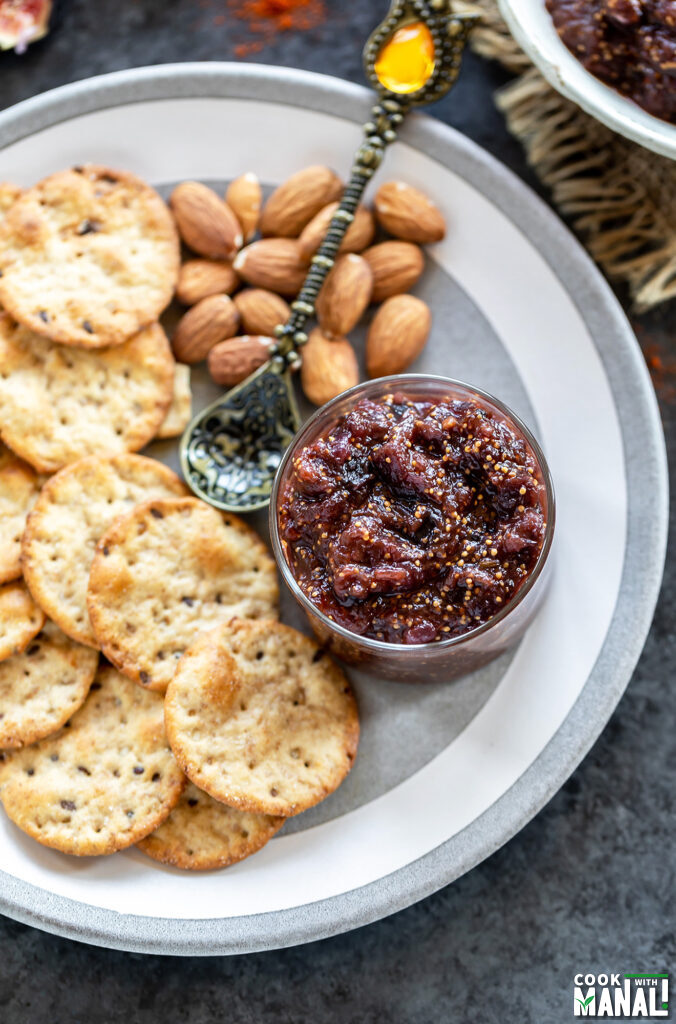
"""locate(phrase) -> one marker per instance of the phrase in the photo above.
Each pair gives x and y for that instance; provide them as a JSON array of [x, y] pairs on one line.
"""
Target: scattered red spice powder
[[663, 373], [266, 18], [243, 50]]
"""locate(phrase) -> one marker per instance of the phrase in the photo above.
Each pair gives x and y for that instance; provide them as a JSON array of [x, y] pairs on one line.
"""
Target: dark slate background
[[588, 885]]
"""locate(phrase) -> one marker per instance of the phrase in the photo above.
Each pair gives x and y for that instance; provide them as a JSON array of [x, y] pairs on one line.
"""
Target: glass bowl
[[440, 659]]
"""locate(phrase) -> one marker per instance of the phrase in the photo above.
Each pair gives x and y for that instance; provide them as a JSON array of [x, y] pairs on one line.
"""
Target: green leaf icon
[[584, 1002]]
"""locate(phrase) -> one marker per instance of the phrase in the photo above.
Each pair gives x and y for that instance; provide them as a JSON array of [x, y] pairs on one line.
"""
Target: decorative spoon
[[231, 450]]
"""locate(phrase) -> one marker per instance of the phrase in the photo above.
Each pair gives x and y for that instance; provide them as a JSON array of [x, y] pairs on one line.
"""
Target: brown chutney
[[413, 520], [629, 44]]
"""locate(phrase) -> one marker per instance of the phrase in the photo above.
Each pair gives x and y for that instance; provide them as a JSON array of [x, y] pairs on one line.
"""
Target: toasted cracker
[[167, 570], [201, 833], [88, 257], [9, 194], [60, 404], [180, 410], [20, 618], [261, 718], [42, 687], [19, 489], [74, 510], [6, 455], [104, 781]]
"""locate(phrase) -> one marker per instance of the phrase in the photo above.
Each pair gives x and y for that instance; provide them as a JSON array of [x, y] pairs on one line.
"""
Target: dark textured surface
[[586, 886]]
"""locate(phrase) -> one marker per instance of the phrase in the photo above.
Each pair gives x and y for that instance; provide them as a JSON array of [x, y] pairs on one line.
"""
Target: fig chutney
[[412, 519], [629, 44]]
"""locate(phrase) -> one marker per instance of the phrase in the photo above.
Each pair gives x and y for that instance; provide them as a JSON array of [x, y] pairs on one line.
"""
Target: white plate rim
[[539, 39], [645, 459]]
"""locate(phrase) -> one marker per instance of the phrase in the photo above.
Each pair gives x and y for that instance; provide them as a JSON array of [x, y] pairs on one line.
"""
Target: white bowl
[[531, 25]]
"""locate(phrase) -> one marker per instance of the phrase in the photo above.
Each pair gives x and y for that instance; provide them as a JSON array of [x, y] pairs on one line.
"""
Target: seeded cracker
[[259, 717], [9, 194], [88, 257], [180, 410], [6, 456], [20, 618], [201, 834], [74, 510], [60, 404], [104, 781], [19, 488], [42, 687], [168, 570]]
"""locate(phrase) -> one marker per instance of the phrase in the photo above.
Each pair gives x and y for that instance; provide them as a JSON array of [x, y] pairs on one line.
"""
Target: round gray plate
[[404, 728]]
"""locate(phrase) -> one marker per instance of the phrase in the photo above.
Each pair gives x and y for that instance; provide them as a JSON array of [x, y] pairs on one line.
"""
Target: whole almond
[[396, 267], [272, 263], [231, 361], [245, 199], [397, 335], [260, 310], [407, 213], [329, 367], [203, 326], [358, 235], [205, 223], [345, 295], [199, 278], [298, 199]]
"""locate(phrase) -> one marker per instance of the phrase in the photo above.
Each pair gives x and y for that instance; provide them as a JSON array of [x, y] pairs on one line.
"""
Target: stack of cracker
[[110, 554]]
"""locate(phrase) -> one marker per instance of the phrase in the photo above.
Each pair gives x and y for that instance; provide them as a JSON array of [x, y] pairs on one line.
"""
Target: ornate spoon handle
[[447, 35]]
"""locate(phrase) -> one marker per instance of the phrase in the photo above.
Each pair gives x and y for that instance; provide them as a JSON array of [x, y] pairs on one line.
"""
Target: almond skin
[[298, 199], [198, 279], [329, 367], [203, 326], [345, 295], [396, 267], [397, 335], [260, 310], [407, 213], [205, 223], [272, 263], [232, 360], [245, 199], [358, 235]]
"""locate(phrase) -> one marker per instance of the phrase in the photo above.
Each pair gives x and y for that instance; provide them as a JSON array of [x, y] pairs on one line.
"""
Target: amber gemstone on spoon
[[406, 61]]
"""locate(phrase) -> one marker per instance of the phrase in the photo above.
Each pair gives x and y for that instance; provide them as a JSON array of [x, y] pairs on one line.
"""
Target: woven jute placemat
[[619, 197]]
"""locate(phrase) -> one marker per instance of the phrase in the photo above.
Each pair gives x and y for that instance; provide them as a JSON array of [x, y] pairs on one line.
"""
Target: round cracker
[[60, 404], [75, 508], [19, 489], [88, 257], [41, 688], [9, 193], [6, 455], [167, 570], [104, 781], [261, 718], [20, 618], [180, 410], [201, 833]]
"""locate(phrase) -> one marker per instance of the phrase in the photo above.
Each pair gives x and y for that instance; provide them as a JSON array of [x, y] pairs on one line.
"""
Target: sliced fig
[[23, 22]]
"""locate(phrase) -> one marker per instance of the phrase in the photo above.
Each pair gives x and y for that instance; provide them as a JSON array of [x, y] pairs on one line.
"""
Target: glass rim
[[383, 646]]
